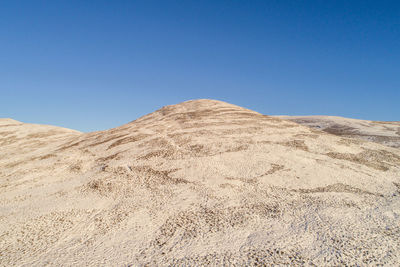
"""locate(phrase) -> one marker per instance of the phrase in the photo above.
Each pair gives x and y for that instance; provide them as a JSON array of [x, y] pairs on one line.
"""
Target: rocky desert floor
[[195, 184]]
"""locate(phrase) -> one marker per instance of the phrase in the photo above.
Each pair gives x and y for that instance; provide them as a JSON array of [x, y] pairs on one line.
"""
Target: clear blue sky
[[93, 65]]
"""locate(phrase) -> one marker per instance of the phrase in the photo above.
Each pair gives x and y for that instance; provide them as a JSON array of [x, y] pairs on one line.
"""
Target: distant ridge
[[383, 132]]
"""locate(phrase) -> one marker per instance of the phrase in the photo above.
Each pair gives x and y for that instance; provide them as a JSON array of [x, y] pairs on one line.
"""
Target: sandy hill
[[8, 122], [199, 183], [383, 132]]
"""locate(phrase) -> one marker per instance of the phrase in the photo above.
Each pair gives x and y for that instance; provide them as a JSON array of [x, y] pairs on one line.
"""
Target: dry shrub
[[298, 144], [305, 135], [190, 223], [122, 182], [127, 140], [157, 154], [337, 188], [5, 133], [75, 167], [107, 140], [47, 156], [376, 159], [69, 145]]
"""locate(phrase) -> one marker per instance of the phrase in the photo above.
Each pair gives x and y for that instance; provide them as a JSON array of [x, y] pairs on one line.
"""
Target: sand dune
[[199, 183]]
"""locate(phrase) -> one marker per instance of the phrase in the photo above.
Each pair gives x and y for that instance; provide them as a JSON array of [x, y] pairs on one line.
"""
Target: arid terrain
[[200, 183], [383, 132]]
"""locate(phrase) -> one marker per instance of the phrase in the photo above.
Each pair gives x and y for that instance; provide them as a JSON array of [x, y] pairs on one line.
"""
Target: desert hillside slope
[[198, 183], [383, 132]]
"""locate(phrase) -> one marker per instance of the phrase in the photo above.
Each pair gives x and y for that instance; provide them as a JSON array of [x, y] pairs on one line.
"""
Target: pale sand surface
[[198, 183], [383, 132]]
